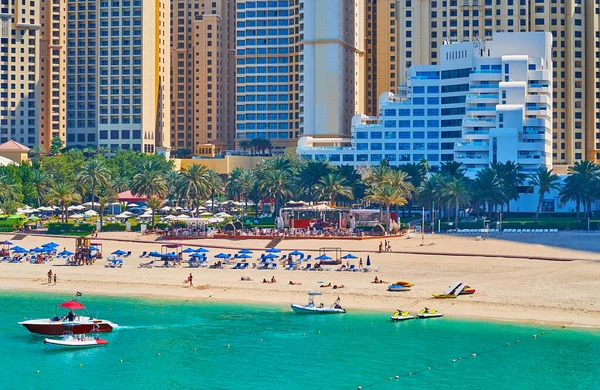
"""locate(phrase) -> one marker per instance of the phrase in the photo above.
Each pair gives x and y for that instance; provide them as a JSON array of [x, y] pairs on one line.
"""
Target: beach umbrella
[[6, 243], [222, 256], [245, 251], [36, 250], [368, 261], [297, 253], [201, 250], [244, 256], [93, 248], [49, 249], [349, 256], [72, 305], [273, 250], [271, 256], [119, 252], [198, 255], [50, 244], [65, 253], [323, 257], [187, 250], [18, 249], [34, 218]]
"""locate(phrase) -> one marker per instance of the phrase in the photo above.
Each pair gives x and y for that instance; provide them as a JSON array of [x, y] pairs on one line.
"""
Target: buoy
[[318, 332], [80, 365], [303, 334], [109, 309], [459, 358], [25, 318], [542, 333], [453, 360], [159, 354], [261, 340], [228, 346], [429, 368], [346, 328], [397, 377], [195, 349], [390, 378], [517, 341], [534, 336], [37, 371], [474, 354], [120, 360], [410, 373], [359, 387], [507, 344]]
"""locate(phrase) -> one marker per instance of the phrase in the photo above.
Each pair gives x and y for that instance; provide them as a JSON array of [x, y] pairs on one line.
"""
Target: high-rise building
[[202, 74], [424, 25], [332, 65], [53, 71], [19, 71], [118, 84], [484, 102], [298, 68]]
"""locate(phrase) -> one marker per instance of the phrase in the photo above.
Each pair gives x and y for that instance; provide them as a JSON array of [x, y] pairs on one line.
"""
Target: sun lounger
[[244, 266], [144, 253], [352, 268], [147, 265], [308, 258], [128, 254], [289, 267], [237, 266], [307, 267]]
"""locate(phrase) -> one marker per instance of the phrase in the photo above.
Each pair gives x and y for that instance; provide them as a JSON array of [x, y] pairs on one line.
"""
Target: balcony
[[480, 159], [483, 98], [475, 87], [471, 146], [479, 122]]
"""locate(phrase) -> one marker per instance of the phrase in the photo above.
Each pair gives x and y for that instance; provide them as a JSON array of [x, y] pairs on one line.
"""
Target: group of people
[[385, 246], [52, 276], [273, 280]]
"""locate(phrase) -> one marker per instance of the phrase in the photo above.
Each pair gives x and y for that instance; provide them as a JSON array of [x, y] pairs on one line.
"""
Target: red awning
[[127, 196], [72, 305]]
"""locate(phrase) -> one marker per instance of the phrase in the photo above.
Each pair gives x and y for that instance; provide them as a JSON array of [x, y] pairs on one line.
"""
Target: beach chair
[[237, 266], [289, 267], [352, 268], [244, 265], [120, 264], [128, 254], [307, 267], [144, 253], [272, 266], [308, 258]]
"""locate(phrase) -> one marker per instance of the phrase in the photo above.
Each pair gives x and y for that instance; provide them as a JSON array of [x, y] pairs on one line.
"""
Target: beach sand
[[508, 289]]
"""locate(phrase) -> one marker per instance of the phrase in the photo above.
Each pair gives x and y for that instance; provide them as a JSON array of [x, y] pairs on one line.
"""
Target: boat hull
[[434, 315], [467, 291], [58, 328], [72, 343], [394, 288], [401, 318], [300, 309], [443, 296]]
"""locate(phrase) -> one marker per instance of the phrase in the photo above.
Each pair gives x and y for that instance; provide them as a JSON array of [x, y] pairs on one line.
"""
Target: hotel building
[[202, 74], [424, 25], [485, 102], [118, 82], [19, 71]]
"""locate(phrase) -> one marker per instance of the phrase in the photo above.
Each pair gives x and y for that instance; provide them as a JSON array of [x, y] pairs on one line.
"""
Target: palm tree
[[193, 182], [35, 153], [154, 204], [386, 195], [332, 186], [173, 194], [120, 183], [64, 194], [512, 177], [277, 185], [489, 189], [40, 181], [310, 174], [106, 196], [94, 173], [9, 190], [377, 174], [214, 186], [429, 192], [244, 145], [588, 172], [456, 191], [233, 183], [452, 168], [150, 184], [545, 180], [576, 188]]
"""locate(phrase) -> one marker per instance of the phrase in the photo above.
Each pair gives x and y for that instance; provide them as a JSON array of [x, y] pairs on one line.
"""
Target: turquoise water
[[296, 352]]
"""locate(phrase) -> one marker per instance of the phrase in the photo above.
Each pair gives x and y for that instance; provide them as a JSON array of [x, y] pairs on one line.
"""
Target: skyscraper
[[424, 25], [118, 83], [53, 71], [202, 73], [19, 70]]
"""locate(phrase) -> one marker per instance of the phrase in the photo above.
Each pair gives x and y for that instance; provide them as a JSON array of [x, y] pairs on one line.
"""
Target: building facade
[[202, 73], [424, 25], [485, 102], [53, 73], [118, 82], [19, 71]]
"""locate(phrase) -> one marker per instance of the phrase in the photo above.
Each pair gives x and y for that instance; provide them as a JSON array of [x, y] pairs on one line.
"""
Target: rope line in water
[[451, 363]]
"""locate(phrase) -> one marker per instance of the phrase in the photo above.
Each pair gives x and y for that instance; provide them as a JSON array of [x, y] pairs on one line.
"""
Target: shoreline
[[284, 306], [511, 287]]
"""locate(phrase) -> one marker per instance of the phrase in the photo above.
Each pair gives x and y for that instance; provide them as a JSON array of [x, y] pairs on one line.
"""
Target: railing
[[538, 85], [476, 132], [484, 85], [481, 108], [485, 96], [325, 148], [487, 71], [475, 120]]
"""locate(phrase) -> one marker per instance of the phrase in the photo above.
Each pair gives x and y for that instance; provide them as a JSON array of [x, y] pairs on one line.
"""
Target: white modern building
[[486, 101]]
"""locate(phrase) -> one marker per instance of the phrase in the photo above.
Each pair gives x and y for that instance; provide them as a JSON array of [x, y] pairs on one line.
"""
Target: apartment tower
[[19, 70], [424, 25], [53, 73], [202, 74], [118, 84]]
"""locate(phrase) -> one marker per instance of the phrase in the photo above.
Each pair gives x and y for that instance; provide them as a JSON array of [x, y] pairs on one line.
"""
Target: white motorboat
[[76, 341], [400, 315], [311, 308], [429, 313]]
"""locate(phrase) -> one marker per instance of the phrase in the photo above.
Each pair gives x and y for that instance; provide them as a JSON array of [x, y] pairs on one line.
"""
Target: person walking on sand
[[380, 246], [360, 263], [55, 278], [190, 280], [49, 276]]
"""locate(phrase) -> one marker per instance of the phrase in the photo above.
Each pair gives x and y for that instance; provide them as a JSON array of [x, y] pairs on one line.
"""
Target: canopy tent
[[127, 196]]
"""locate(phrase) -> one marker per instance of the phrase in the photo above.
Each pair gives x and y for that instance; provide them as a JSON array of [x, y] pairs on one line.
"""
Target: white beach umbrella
[[223, 215], [123, 215], [170, 217], [132, 205], [90, 213], [76, 216], [206, 214]]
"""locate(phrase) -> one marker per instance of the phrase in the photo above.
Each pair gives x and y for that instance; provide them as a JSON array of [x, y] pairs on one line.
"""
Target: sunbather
[[295, 283], [326, 285], [335, 286]]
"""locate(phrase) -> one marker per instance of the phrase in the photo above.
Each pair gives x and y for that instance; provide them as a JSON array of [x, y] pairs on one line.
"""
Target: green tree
[[589, 172], [576, 188], [40, 181], [56, 145], [511, 176], [106, 196], [120, 184], [214, 186], [311, 173], [452, 168], [333, 186], [244, 145], [545, 180], [277, 185], [93, 174], [63, 194], [457, 192], [193, 183], [386, 195], [151, 184], [154, 204], [489, 189]]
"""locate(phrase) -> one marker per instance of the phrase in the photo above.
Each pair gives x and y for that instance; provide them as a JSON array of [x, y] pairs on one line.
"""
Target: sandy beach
[[518, 287]]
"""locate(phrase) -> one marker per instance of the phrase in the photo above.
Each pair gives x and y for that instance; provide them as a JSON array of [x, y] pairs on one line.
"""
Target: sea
[[170, 344]]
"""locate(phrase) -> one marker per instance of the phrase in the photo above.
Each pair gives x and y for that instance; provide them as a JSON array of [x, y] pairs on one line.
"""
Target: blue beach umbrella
[[18, 249], [119, 252], [48, 250], [297, 253], [323, 257], [93, 248], [349, 256], [154, 254], [197, 255], [273, 250], [6, 243], [201, 250], [50, 244], [271, 256], [222, 256], [187, 250], [368, 261], [244, 256], [65, 253], [245, 251]]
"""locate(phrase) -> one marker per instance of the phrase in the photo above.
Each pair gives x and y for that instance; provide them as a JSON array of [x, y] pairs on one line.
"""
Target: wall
[[222, 166]]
